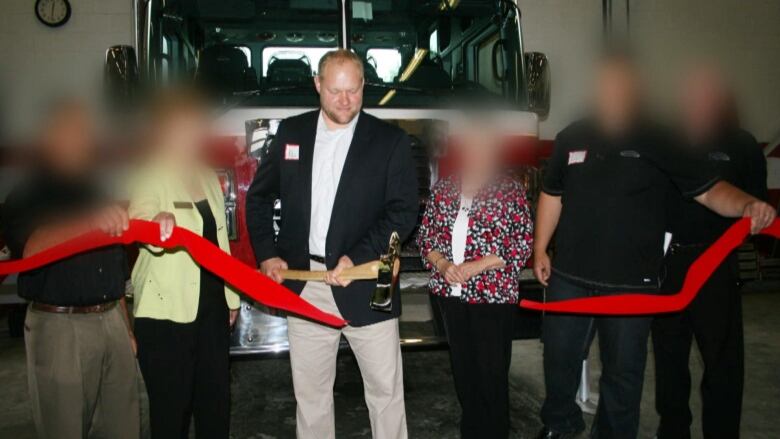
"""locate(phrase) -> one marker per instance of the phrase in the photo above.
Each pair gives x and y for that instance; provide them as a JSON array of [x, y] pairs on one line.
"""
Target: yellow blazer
[[166, 283]]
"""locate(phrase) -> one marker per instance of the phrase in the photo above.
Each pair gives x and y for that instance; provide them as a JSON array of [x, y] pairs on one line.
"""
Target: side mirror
[[120, 74], [538, 83], [499, 75]]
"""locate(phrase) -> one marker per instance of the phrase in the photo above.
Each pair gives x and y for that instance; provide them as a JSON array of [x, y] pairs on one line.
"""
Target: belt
[[93, 309], [315, 258]]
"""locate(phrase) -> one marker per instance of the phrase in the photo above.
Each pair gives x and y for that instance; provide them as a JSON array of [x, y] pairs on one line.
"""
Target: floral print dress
[[499, 224]]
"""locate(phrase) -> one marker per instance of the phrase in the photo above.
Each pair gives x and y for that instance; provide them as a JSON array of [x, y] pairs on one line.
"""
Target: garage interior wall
[[39, 62], [741, 35]]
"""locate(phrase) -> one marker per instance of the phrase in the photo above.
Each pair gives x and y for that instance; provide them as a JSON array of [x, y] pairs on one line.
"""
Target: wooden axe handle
[[369, 270], [318, 276]]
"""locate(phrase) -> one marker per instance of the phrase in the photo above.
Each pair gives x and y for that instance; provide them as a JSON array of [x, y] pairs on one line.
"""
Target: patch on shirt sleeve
[[577, 156], [292, 151]]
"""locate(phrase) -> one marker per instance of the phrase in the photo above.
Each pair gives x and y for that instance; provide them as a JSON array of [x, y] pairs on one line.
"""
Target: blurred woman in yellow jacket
[[182, 313]]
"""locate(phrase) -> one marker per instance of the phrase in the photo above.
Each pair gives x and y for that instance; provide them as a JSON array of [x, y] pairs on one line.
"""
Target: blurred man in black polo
[[710, 131], [604, 197], [80, 352]]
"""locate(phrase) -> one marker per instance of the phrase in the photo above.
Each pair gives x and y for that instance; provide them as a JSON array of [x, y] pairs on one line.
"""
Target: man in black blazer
[[346, 181]]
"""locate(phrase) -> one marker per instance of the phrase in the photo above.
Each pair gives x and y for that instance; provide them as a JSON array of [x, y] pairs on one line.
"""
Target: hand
[[333, 277], [112, 220], [133, 344], [470, 269], [542, 267], [272, 267], [233, 317], [761, 215], [451, 272], [167, 222]]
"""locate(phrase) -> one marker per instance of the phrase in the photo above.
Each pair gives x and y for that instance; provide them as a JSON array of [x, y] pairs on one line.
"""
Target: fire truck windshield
[[264, 53]]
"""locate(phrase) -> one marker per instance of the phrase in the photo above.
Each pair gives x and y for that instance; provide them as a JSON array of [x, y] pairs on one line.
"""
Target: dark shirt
[[86, 279], [212, 287], [613, 192], [738, 159]]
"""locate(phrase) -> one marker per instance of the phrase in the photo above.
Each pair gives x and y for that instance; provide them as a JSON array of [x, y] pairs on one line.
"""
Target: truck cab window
[[248, 52], [433, 42], [384, 63], [165, 60], [263, 53], [298, 61]]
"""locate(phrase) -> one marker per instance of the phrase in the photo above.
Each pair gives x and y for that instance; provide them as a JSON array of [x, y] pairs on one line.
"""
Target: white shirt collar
[[323, 127]]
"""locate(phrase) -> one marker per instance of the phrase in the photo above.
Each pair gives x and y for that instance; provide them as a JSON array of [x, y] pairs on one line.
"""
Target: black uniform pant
[[186, 370], [623, 349], [480, 339], [715, 319]]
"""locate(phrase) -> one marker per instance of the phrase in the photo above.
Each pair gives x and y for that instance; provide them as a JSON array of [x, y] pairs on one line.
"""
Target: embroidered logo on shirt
[[577, 156], [292, 151], [630, 153], [719, 156]]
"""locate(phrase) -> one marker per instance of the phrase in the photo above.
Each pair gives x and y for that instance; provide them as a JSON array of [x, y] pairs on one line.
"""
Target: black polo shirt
[[738, 159], [613, 190], [85, 279]]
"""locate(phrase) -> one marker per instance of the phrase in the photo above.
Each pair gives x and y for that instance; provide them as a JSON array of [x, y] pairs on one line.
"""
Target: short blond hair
[[340, 56]]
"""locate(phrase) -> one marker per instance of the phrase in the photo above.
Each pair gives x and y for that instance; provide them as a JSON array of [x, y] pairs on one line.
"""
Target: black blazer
[[377, 194]]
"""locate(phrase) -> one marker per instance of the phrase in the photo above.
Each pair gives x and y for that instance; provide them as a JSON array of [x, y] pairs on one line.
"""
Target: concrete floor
[[264, 407]]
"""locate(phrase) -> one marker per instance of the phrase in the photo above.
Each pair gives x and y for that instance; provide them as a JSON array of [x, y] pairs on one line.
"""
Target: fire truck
[[258, 58]]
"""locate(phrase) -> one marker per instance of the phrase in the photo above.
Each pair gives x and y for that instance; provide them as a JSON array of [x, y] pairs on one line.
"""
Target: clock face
[[52, 12]]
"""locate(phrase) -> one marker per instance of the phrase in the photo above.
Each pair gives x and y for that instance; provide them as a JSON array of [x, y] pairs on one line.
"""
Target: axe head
[[387, 276]]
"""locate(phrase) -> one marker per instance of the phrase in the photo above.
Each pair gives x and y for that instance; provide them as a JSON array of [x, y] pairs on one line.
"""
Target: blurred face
[[617, 94], [704, 102], [184, 134], [68, 139], [478, 150], [340, 86]]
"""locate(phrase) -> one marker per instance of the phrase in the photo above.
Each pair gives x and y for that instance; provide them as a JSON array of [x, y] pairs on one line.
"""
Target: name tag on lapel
[[182, 205], [292, 151]]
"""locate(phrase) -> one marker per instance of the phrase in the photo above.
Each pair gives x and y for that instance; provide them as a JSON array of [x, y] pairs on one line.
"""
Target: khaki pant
[[82, 375], [313, 350]]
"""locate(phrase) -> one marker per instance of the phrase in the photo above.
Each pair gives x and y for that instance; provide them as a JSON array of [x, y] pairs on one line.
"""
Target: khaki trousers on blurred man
[[82, 375]]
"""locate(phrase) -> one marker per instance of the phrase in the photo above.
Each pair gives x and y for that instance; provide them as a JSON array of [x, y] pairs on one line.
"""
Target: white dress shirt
[[330, 152], [460, 232]]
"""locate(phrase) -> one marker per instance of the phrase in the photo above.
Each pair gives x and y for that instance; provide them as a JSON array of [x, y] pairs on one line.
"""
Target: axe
[[384, 270]]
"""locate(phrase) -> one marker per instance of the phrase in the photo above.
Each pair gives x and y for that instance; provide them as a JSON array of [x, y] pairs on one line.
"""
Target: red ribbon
[[262, 289], [643, 304], [244, 278]]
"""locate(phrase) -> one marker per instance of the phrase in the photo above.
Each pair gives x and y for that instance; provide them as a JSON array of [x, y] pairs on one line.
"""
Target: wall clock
[[52, 13]]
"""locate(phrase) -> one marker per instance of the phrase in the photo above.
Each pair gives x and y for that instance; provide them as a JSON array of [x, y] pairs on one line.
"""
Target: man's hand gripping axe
[[384, 270]]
